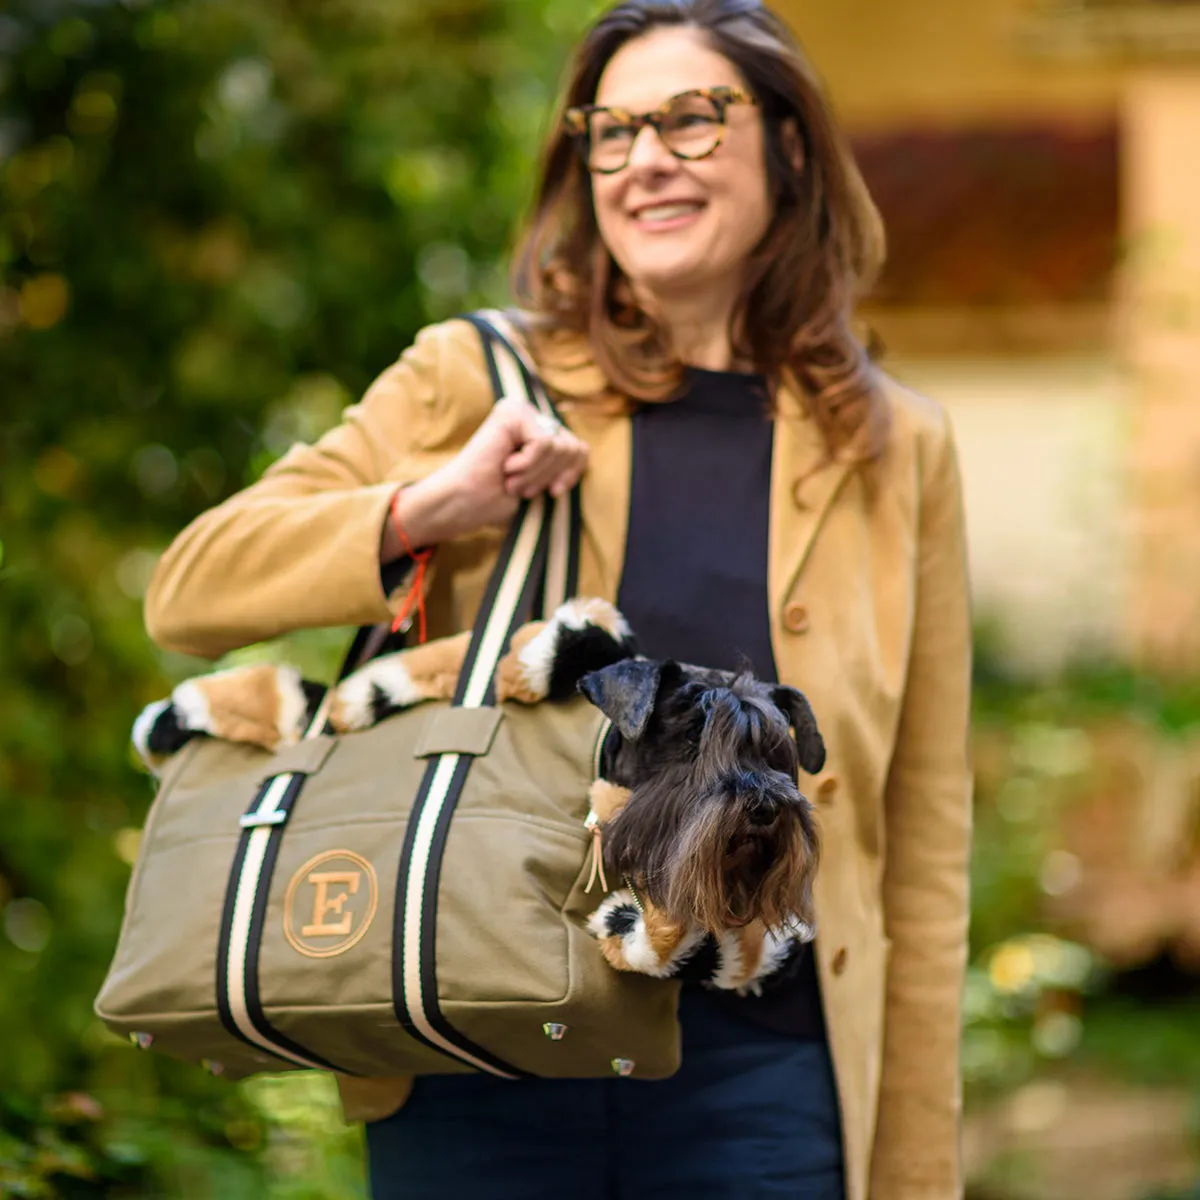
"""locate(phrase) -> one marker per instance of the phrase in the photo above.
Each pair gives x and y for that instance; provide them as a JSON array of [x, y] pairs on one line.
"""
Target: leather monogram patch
[[330, 903]]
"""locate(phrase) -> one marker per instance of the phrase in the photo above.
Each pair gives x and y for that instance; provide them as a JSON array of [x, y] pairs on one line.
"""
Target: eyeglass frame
[[577, 122]]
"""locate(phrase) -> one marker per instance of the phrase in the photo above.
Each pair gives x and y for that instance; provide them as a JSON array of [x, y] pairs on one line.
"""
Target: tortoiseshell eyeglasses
[[690, 124]]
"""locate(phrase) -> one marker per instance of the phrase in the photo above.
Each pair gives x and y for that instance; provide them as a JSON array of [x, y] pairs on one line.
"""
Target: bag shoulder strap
[[543, 532], [513, 373]]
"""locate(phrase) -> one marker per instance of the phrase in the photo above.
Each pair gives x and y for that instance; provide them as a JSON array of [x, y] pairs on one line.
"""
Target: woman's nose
[[649, 152]]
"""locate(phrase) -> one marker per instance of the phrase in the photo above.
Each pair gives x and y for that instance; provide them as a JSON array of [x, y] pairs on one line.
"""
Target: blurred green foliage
[[219, 219], [1047, 1021]]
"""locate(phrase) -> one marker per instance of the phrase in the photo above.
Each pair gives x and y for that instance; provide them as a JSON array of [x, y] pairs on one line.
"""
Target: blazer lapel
[[604, 494], [579, 387], [803, 487]]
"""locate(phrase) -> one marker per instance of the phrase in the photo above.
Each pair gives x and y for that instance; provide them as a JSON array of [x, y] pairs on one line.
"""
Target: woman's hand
[[514, 455]]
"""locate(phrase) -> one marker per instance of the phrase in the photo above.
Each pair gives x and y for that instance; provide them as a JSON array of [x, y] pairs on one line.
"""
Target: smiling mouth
[[655, 214]]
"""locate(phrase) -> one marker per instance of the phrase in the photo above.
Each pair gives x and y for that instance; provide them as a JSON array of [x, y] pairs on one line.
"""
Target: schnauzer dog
[[702, 818], [697, 809]]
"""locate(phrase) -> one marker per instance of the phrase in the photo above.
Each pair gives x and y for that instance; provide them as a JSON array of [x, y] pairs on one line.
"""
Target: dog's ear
[[626, 692], [809, 742]]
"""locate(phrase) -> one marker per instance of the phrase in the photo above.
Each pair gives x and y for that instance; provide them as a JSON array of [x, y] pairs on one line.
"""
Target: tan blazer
[[869, 616]]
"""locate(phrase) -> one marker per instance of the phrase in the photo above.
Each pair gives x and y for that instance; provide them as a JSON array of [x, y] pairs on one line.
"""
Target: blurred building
[[1037, 164]]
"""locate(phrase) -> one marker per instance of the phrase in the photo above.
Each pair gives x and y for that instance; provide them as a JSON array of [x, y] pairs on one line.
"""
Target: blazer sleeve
[[300, 548], [928, 812]]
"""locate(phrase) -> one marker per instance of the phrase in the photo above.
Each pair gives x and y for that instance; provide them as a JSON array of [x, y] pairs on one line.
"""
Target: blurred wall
[[1038, 389], [959, 61], [1043, 444], [1161, 117]]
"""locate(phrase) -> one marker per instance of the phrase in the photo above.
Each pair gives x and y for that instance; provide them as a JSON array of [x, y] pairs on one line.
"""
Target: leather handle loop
[[301, 758]]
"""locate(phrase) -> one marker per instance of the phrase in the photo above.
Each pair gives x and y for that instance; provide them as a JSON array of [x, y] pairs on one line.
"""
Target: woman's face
[[676, 228]]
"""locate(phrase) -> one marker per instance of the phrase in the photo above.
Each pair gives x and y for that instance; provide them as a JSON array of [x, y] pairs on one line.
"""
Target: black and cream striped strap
[[540, 553], [513, 373], [239, 1002]]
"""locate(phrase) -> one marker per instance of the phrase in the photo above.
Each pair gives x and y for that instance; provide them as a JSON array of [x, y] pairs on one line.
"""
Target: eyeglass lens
[[690, 127]]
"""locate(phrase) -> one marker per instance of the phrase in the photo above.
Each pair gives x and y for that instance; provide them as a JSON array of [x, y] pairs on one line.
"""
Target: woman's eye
[[615, 133], [689, 120]]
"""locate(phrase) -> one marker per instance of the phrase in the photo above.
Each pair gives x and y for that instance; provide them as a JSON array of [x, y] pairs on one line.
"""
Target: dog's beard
[[744, 851]]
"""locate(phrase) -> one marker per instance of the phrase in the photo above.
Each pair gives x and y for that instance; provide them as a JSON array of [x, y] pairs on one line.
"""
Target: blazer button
[[826, 789], [795, 618], [839, 961]]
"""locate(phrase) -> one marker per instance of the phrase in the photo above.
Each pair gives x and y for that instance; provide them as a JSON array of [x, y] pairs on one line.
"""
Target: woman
[[753, 488]]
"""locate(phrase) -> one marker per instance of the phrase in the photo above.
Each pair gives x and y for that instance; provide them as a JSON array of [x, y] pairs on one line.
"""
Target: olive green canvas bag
[[405, 899]]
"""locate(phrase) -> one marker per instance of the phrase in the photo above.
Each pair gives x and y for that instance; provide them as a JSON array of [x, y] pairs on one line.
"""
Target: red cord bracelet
[[416, 593]]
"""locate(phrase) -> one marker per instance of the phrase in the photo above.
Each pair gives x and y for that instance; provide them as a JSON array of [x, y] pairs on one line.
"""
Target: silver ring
[[548, 425]]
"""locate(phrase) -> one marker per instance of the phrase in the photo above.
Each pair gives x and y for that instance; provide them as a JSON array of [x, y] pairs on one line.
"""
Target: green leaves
[[219, 220]]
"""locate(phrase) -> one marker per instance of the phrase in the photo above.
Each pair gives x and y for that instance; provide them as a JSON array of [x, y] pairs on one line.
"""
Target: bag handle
[[512, 373], [537, 566], [562, 566], [538, 555]]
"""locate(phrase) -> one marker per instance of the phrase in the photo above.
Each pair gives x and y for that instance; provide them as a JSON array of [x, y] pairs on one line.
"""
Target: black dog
[[703, 820]]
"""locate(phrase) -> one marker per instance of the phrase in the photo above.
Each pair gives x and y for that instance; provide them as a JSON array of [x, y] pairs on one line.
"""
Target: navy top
[[694, 584]]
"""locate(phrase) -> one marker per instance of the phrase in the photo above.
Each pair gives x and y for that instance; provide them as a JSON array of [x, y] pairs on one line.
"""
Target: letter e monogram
[[323, 903], [345, 894]]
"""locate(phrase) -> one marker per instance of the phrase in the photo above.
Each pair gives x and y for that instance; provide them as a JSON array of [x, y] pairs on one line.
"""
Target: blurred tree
[[218, 220]]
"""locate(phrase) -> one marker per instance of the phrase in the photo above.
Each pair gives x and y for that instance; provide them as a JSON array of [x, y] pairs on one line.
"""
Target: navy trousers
[[751, 1115]]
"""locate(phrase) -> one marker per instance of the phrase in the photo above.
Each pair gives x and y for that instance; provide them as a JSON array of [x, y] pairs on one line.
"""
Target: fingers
[[562, 484], [552, 468], [552, 459]]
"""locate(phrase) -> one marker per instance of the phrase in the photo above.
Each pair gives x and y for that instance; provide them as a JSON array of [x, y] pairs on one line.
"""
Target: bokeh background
[[220, 218]]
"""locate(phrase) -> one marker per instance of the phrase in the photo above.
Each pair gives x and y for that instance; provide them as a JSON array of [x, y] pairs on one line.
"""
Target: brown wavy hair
[[822, 251]]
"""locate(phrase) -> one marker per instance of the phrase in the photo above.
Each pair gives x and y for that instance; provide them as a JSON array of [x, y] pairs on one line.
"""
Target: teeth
[[667, 212]]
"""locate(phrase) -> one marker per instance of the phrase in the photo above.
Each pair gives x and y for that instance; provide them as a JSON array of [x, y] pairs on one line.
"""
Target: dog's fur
[[715, 830], [636, 935], [697, 810], [702, 818]]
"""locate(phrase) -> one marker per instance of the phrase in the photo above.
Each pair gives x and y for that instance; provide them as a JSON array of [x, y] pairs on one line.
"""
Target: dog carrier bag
[[405, 899]]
